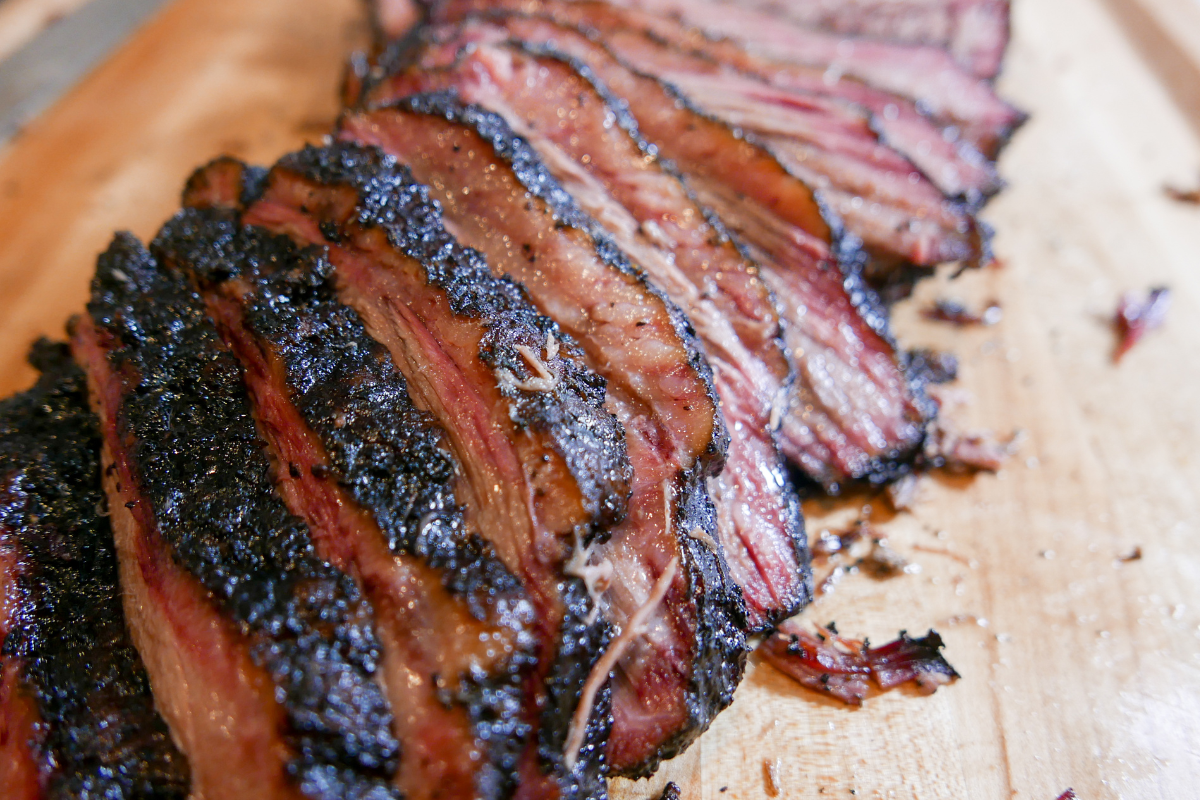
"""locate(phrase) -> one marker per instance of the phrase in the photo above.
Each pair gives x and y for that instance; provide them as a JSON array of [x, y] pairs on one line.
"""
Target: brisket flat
[[76, 715], [853, 414], [975, 32], [544, 466], [927, 76], [686, 252], [370, 475], [901, 216], [499, 198], [262, 656]]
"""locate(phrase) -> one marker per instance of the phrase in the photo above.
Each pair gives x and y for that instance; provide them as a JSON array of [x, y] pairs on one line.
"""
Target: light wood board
[[1078, 669]]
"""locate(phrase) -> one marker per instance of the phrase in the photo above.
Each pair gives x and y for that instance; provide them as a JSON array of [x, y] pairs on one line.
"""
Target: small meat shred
[[1069, 794], [1137, 315], [844, 668], [670, 792], [956, 313]]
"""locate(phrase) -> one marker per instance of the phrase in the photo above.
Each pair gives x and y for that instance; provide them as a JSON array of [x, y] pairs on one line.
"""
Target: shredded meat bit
[[596, 577], [634, 628], [546, 378], [1189, 196], [670, 792], [956, 313], [844, 668], [1137, 315], [1069, 794]]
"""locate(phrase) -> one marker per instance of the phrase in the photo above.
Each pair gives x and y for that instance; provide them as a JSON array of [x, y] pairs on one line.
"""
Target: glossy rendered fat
[[262, 657], [76, 714], [370, 476], [500, 198], [686, 252], [544, 464]]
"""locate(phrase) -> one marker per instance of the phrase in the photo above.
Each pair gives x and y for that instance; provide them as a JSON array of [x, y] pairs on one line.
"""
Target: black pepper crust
[[719, 637], [103, 737], [529, 170], [386, 453], [572, 415], [201, 467]]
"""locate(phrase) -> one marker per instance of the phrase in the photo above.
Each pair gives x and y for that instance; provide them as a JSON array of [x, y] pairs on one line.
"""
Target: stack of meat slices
[[459, 457]]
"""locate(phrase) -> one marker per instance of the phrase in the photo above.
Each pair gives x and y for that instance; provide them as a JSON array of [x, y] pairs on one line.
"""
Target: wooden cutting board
[[1079, 669]]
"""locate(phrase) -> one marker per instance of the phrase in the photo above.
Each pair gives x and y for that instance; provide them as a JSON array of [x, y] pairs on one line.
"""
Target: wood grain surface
[[1079, 669]]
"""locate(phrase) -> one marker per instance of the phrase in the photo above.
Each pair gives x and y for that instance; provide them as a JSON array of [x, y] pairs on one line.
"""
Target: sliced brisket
[[853, 414], [927, 76], [370, 475], [883, 198], [76, 715], [262, 656], [974, 31], [685, 250], [499, 198], [544, 466], [954, 165]]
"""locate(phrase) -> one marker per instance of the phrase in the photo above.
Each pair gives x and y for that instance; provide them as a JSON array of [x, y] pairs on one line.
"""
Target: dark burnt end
[[572, 414], [103, 737], [528, 168], [202, 469], [388, 454]]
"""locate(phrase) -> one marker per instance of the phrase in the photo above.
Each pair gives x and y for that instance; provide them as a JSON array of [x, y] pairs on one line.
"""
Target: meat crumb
[[1137, 315], [670, 792], [956, 313], [952, 450], [1189, 196], [771, 777], [844, 668], [1133, 555], [1069, 794]]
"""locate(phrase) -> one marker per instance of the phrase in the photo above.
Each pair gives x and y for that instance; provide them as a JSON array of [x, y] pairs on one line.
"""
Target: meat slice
[[499, 198], [544, 466], [883, 198], [853, 414], [76, 715], [928, 76], [373, 480], [975, 32], [262, 656], [685, 250], [954, 165]]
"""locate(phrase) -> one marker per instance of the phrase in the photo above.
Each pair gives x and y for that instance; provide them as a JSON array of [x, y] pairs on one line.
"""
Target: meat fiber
[[901, 216], [928, 76], [852, 414], [544, 466], [685, 250], [76, 715], [371, 477], [499, 198], [262, 656], [975, 32]]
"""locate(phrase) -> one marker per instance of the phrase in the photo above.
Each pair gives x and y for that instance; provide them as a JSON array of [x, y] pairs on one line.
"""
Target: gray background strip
[[41, 71]]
